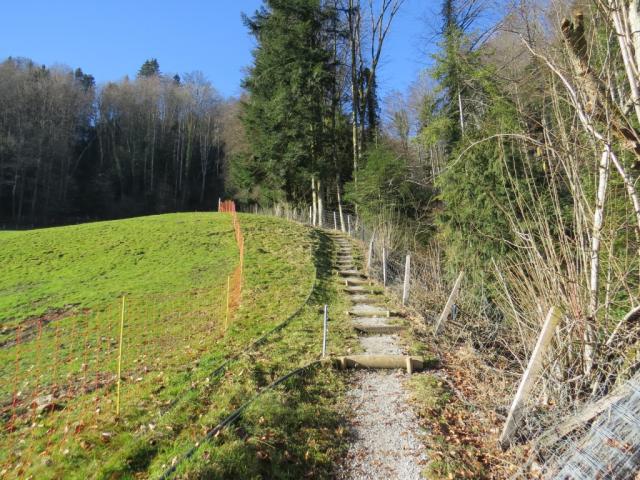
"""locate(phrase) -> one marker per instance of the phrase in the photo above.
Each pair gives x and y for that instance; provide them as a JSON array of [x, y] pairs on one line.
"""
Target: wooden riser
[[411, 364], [379, 329]]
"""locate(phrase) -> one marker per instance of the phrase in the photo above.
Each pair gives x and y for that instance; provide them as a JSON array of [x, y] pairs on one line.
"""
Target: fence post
[[226, 316], [120, 358], [349, 224], [405, 288], [219, 201], [324, 331], [335, 221], [370, 253], [529, 376], [447, 308], [384, 266]]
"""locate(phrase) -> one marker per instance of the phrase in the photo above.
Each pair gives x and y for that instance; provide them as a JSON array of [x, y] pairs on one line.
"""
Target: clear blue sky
[[111, 38]]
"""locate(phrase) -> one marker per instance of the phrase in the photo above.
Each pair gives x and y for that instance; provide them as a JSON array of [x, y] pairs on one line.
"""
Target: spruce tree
[[150, 68], [286, 114]]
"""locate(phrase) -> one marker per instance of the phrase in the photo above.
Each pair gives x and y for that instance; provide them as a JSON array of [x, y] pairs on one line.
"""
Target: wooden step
[[362, 289], [356, 281], [411, 364], [365, 310], [379, 329], [363, 298], [352, 273]]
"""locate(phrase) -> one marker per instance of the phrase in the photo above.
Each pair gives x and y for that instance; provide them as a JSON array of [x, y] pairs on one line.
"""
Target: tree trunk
[[314, 200], [320, 205], [340, 204], [596, 236]]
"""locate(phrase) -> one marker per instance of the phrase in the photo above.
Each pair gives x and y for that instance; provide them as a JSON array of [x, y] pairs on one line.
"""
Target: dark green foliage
[[150, 68], [385, 187], [286, 114], [69, 152], [480, 173]]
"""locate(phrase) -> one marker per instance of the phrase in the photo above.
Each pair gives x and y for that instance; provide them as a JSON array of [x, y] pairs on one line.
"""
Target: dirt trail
[[385, 431]]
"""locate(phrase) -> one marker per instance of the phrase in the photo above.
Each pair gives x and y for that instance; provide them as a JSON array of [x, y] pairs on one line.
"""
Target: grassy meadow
[[60, 307]]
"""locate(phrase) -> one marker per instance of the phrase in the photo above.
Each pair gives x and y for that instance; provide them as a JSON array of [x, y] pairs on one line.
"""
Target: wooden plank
[[447, 308], [529, 376]]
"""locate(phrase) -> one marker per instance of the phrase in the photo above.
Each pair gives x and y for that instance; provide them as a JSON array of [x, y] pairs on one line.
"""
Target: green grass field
[[60, 303]]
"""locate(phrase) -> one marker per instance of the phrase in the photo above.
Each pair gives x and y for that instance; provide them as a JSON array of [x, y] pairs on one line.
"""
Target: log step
[[351, 273], [379, 329], [411, 364], [361, 289], [365, 310], [363, 298], [356, 281]]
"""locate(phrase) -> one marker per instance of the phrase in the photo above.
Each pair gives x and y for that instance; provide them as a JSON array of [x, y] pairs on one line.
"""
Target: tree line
[[71, 150]]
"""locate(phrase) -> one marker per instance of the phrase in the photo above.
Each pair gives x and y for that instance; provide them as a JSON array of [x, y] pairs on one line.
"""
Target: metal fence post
[[405, 288], [324, 331]]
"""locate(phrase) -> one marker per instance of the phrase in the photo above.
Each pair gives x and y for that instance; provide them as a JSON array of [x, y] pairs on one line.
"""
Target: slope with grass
[[60, 309]]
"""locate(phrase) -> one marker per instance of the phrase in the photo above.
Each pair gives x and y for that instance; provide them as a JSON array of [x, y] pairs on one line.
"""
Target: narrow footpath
[[384, 430]]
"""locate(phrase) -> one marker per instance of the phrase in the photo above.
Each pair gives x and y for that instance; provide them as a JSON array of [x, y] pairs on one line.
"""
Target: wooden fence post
[[370, 254], [335, 221], [405, 288], [529, 376], [384, 266], [447, 308], [349, 224]]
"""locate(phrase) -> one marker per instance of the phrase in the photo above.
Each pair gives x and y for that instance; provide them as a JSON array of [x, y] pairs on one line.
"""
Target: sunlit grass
[[173, 341]]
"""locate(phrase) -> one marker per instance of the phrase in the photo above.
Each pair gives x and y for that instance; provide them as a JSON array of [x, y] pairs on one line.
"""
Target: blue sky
[[111, 38]]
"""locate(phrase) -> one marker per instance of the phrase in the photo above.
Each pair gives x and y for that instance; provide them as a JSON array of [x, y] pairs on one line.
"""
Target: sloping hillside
[[61, 307]]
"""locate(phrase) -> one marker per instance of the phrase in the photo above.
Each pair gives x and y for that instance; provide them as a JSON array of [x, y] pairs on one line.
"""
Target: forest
[[73, 151], [515, 156]]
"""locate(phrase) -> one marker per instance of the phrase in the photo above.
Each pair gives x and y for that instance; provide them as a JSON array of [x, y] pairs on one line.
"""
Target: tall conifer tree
[[287, 111]]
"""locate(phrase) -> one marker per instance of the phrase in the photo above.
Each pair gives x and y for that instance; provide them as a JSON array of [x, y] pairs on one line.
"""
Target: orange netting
[[234, 282]]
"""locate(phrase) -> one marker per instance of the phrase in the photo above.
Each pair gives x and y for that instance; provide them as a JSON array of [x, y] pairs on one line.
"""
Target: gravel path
[[386, 442], [385, 431], [381, 344]]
